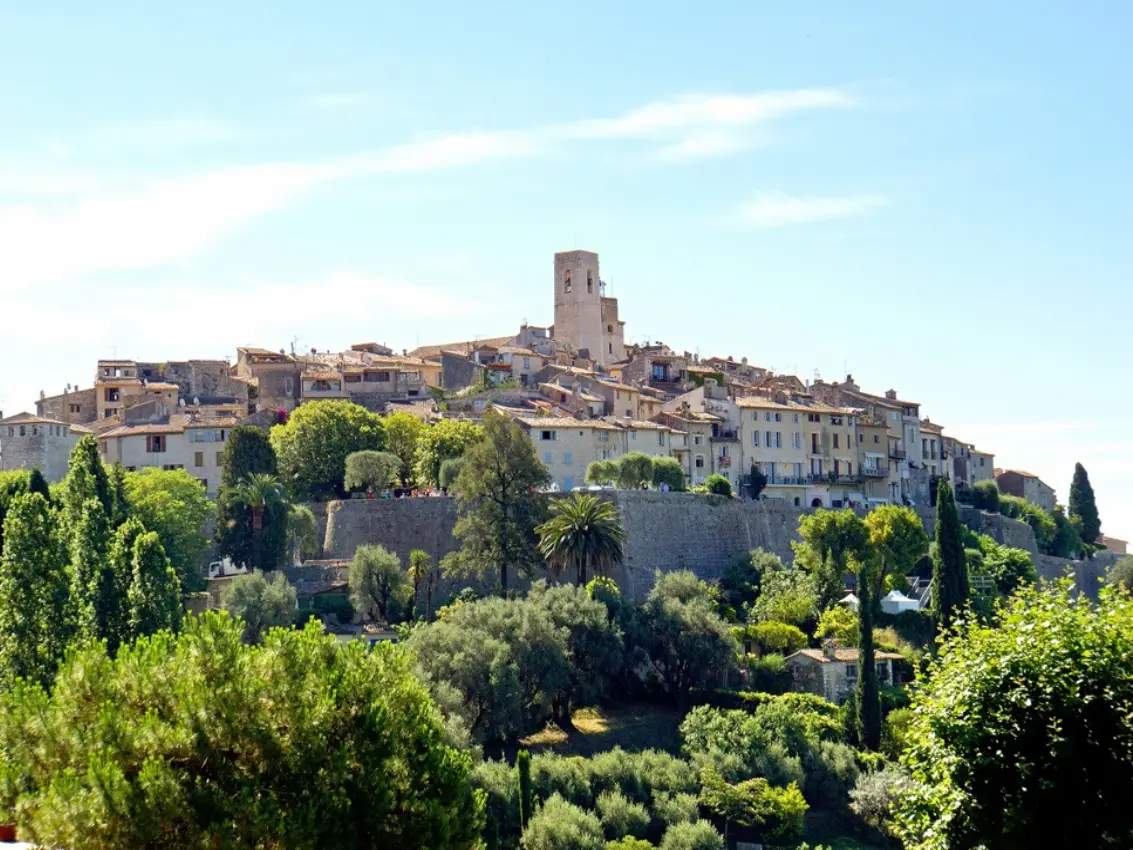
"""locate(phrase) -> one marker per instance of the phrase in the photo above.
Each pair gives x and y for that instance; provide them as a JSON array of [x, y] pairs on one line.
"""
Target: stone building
[[832, 672], [73, 406], [585, 318], [35, 442], [272, 378], [1025, 485]]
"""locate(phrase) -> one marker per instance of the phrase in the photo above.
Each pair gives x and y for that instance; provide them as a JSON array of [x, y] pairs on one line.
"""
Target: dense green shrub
[[773, 637]]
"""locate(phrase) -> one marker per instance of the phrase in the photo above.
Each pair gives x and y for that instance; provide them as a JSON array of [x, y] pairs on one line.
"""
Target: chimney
[[891, 395], [829, 648]]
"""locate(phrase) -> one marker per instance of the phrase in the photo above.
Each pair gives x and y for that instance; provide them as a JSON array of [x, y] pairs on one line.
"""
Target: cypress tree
[[86, 479], [249, 452], [38, 484], [88, 565], [112, 604], [949, 566], [34, 626], [118, 495], [1083, 507], [526, 793], [155, 591], [868, 695]]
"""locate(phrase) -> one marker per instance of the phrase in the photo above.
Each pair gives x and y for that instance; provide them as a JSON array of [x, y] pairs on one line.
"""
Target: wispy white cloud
[[335, 100], [82, 228], [778, 209], [697, 112], [704, 144]]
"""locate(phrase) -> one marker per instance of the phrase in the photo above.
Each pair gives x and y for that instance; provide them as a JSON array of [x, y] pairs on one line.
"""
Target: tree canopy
[[173, 504], [370, 470], [1083, 506], [379, 588], [313, 445], [248, 453], [403, 431], [260, 601], [950, 589], [34, 610], [199, 739], [583, 531], [441, 441], [1021, 737], [498, 495]]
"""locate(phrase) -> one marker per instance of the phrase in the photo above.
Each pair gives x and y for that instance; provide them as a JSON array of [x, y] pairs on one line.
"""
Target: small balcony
[[832, 478], [874, 472], [787, 480], [724, 434], [896, 452], [723, 462]]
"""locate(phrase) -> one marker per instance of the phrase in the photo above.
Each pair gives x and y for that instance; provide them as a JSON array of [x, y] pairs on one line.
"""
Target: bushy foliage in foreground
[[199, 739]]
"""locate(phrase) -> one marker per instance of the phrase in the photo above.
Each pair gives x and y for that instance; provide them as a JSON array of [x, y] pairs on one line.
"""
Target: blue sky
[[936, 199]]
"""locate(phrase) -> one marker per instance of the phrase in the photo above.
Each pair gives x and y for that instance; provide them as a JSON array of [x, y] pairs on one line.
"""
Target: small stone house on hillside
[[832, 672]]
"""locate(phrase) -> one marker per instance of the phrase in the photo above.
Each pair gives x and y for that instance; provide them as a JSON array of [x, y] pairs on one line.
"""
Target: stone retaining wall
[[664, 531]]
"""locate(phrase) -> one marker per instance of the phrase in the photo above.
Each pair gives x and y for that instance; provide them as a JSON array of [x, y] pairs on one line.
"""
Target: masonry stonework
[[664, 531]]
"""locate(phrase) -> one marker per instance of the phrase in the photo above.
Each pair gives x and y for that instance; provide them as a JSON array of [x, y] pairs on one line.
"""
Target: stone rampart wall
[[664, 531]]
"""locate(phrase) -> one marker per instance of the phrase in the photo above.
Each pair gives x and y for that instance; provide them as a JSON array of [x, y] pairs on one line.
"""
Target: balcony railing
[[787, 480], [722, 434], [724, 461], [831, 478], [874, 472], [897, 453]]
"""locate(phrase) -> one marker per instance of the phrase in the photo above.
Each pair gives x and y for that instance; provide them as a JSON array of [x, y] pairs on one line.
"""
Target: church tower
[[585, 318]]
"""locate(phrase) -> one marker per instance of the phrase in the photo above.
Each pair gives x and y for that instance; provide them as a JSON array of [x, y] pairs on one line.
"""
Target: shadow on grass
[[633, 727]]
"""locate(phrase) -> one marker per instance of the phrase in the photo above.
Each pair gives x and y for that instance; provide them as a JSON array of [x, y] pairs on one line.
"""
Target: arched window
[[589, 281], [566, 281]]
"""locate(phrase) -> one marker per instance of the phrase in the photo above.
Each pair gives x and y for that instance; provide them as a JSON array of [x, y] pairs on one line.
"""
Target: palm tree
[[257, 491], [583, 531]]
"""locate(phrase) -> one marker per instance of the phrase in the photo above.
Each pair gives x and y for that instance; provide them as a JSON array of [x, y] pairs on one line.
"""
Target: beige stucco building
[[772, 435], [568, 446], [179, 442]]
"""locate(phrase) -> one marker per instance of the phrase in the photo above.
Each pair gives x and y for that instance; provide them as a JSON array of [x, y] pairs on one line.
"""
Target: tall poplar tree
[[86, 479], [950, 589], [34, 623], [89, 563], [154, 595]]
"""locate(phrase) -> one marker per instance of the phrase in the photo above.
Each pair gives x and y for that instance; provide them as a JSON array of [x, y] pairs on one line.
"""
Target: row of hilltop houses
[[576, 387]]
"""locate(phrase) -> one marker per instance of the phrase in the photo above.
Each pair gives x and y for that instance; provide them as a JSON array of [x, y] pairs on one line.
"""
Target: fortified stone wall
[[664, 531], [400, 525]]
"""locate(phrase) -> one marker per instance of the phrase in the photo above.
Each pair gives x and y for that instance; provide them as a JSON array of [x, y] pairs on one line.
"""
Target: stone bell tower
[[585, 318]]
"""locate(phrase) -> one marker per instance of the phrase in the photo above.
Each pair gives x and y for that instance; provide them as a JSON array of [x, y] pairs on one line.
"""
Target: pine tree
[[868, 696], [526, 793], [949, 567], [1083, 507], [155, 592], [86, 479], [88, 564], [34, 626]]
